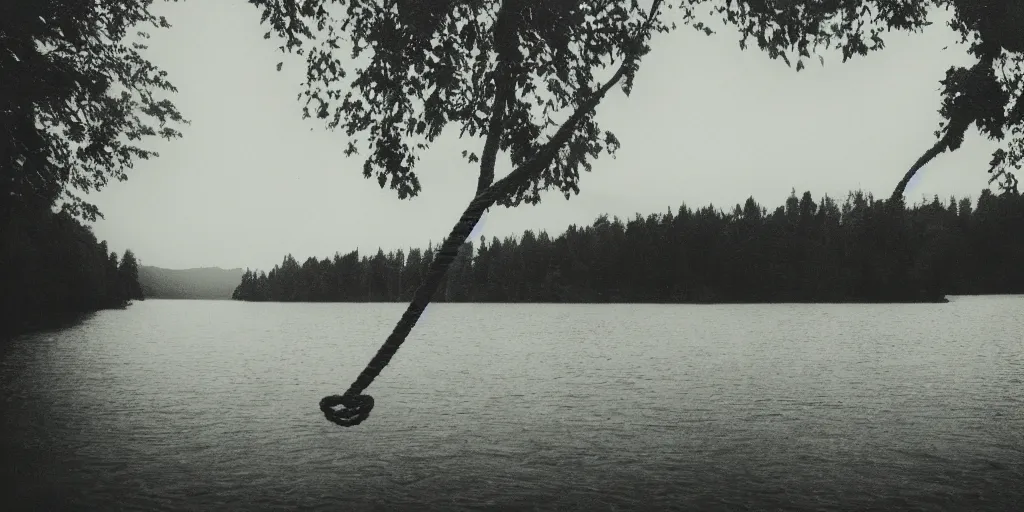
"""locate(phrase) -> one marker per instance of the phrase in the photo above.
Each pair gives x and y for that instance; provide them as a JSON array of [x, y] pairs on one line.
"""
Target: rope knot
[[354, 408]]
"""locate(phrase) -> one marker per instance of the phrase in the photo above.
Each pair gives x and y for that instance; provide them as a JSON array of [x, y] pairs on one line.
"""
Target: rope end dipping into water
[[356, 406], [354, 409]]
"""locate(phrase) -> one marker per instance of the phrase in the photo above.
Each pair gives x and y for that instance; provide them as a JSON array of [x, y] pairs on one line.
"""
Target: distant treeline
[[52, 268], [864, 250]]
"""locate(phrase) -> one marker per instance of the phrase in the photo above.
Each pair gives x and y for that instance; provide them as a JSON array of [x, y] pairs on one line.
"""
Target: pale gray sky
[[706, 122]]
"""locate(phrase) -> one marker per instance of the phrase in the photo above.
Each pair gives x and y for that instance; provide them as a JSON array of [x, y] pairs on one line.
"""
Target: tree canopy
[[77, 98], [394, 74]]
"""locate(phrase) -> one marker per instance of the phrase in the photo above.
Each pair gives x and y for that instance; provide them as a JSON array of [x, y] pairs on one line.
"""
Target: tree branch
[[506, 37], [535, 165]]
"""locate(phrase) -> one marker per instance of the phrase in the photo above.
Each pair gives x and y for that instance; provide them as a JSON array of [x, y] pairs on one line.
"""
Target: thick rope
[[356, 406], [959, 121], [928, 156]]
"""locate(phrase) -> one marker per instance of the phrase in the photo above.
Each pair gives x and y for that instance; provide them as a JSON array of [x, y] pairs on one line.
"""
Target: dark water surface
[[202, 405]]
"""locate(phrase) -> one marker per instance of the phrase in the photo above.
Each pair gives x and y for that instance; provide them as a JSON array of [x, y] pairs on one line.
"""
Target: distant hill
[[193, 283]]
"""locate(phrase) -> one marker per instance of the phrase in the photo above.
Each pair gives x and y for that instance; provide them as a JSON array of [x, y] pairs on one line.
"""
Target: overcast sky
[[706, 123]]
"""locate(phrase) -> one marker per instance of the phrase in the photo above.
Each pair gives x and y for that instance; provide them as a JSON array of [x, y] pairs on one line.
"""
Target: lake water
[[198, 405]]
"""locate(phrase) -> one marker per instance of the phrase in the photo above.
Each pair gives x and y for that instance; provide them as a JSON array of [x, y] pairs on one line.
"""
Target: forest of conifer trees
[[53, 268], [864, 250], [68, 127]]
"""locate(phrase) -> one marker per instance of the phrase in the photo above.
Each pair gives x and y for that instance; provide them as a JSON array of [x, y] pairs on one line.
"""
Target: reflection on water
[[189, 405]]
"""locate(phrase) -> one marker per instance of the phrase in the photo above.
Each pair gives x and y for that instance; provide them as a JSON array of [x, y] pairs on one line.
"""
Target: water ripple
[[193, 405]]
